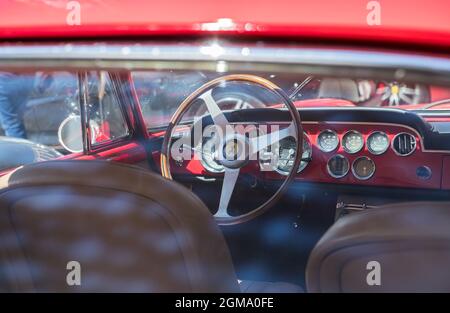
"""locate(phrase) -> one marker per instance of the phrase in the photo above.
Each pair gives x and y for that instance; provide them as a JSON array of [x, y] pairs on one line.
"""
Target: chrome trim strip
[[138, 55], [215, 50]]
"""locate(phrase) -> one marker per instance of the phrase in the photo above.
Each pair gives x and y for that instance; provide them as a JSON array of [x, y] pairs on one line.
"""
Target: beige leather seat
[[410, 242], [341, 88], [130, 230]]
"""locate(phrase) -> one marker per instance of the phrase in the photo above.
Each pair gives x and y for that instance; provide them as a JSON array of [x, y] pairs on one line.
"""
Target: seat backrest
[[403, 247], [340, 88], [128, 229]]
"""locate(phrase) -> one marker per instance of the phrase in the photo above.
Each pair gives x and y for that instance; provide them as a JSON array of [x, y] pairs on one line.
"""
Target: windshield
[[161, 92]]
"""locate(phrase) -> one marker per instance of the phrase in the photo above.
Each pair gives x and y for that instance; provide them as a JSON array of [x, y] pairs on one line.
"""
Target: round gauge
[[338, 166], [363, 168], [328, 141], [208, 157], [352, 141], [286, 153], [377, 142], [284, 157]]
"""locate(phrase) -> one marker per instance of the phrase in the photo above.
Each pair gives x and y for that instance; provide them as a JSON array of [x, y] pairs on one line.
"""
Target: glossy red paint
[[402, 21], [420, 106], [439, 93], [437, 119], [391, 170], [129, 152]]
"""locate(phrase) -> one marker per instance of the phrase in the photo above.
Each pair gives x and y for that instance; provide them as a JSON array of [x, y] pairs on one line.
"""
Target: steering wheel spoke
[[261, 142], [229, 181], [217, 115]]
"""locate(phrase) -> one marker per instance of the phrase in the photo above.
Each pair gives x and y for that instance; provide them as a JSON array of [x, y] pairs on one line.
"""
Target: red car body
[[419, 23]]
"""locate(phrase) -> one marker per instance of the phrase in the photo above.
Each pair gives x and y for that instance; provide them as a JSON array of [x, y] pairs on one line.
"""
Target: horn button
[[234, 151]]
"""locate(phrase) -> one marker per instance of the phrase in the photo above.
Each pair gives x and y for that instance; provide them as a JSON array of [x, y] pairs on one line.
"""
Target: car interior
[[227, 167]]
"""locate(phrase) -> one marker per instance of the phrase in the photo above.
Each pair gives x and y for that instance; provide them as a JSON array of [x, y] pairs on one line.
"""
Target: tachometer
[[352, 141], [328, 141], [377, 142]]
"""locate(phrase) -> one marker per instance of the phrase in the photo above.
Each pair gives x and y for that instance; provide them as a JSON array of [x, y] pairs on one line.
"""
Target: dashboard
[[353, 147], [368, 154]]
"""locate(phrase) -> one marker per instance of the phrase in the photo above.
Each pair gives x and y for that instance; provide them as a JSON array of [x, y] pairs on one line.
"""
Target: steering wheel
[[236, 149]]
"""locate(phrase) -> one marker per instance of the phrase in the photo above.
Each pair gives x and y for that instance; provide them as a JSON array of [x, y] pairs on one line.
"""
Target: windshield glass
[[161, 92]]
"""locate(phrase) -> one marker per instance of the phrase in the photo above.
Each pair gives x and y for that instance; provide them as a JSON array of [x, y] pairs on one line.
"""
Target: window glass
[[161, 92], [33, 106], [27, 99], [106, 118], [40, 116]]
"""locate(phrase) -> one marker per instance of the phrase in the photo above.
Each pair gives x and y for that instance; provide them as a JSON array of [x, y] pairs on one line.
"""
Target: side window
[[34, 104], [34, 107], [106, 119]]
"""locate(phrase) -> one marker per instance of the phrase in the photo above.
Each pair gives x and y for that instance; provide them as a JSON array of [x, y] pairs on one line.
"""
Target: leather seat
[[340, 88], [410, 242], [130, 230]]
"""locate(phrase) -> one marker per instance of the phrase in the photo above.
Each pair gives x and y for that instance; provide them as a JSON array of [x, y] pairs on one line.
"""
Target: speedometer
[[328, 141], [282, 155], [352, 141], [377, 142]]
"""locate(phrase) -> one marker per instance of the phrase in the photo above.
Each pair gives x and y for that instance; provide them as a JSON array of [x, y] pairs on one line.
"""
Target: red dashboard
[[421, 168], [391, 169]]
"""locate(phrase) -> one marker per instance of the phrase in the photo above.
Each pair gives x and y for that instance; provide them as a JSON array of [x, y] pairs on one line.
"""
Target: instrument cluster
[[279, 157], [362, 167]]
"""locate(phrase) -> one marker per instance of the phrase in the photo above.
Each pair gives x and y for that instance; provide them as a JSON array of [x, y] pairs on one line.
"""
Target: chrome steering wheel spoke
[[217, 115], [229, 182], [261, 142]]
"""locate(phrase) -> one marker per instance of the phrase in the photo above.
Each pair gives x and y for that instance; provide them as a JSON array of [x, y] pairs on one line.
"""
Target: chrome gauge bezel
[[329, 170], [343, 141], [363, 177], [327, 131], [369, 140], [302, 165]]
